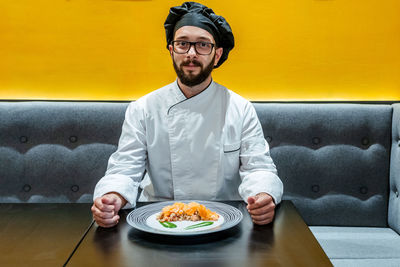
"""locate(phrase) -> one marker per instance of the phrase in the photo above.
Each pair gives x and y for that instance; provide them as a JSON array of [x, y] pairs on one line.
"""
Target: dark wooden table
[[41, 234], [286, 242]]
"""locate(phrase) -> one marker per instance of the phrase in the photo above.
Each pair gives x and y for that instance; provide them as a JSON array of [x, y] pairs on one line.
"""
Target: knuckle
[[99, 206], [101, 215], [258, 217], [106, 215], [98, 213], [95, 213]]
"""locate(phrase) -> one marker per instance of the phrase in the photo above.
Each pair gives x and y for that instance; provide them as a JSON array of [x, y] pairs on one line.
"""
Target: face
[[192, 68]]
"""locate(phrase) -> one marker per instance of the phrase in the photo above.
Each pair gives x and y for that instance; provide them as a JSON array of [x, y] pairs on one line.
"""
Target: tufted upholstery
[[333, 159], [394, 199], [55, 151]]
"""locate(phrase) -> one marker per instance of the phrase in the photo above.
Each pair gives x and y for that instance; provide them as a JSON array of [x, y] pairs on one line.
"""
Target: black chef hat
[[195, 14]]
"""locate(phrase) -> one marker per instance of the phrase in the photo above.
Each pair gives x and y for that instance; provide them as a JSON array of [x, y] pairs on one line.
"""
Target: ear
[[218, 54], [170, 49]]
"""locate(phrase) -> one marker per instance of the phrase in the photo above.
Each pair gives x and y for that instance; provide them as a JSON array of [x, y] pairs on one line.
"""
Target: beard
[[191, 79]]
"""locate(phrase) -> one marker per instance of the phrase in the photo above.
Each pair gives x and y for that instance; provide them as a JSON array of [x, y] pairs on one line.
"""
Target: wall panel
[[285, 49]]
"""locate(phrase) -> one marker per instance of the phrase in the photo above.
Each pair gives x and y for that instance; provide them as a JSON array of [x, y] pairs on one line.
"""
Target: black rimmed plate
[[144, 219]]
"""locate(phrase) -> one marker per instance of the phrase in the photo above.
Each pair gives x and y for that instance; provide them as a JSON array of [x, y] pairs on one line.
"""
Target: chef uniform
[[206, 147]]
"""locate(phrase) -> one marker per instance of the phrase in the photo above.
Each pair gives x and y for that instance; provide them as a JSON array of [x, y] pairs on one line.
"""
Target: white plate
[[144, 219]]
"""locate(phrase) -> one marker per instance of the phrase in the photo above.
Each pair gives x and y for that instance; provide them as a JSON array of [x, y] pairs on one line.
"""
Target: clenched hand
[[261, 208], [105, 209]]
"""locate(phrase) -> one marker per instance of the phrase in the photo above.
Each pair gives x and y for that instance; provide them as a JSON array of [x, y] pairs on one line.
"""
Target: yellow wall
[[285, 49]]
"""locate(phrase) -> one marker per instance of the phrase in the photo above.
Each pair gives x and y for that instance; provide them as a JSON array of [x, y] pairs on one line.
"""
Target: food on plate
[[186, 212], [168, 224], [194, 226]]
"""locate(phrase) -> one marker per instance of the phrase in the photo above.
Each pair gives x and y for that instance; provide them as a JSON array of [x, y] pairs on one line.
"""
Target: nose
[[192, 50]]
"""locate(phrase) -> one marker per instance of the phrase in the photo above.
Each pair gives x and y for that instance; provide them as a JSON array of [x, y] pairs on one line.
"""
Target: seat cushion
[[366, 262], [359, 246]]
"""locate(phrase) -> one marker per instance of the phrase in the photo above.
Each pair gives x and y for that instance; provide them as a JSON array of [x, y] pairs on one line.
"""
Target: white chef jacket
[[207, 147]]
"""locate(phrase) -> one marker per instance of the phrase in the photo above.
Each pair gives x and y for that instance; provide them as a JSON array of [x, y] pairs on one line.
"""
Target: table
[[286, 242], [41, 234]]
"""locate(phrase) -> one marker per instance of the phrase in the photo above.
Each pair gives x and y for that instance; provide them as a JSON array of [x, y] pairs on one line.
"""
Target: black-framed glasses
[[201, 48]]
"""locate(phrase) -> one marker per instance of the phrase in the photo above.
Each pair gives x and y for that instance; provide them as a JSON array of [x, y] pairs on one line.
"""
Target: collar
[[178, 97]]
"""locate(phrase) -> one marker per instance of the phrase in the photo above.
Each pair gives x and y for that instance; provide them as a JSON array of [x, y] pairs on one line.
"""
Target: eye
[[182, 43], [202, 44]]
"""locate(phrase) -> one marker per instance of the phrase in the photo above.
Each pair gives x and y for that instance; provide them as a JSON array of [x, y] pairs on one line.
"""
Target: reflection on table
[[41, 234]]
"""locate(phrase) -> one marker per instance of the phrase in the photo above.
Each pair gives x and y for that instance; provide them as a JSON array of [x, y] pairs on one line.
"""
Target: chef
[[192, 139]]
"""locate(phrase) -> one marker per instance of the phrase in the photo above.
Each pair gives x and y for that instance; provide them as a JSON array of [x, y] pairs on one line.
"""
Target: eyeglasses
[[201, 48]]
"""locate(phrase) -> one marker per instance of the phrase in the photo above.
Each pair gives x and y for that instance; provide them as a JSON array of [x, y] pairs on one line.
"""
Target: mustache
[[192, 61]]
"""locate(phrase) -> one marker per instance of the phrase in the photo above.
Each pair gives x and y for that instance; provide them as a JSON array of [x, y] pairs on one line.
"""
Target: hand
[[105, 209], [261, 208]]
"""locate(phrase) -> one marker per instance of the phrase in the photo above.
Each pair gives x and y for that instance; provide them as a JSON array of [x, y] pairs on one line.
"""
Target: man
[[193, 138]]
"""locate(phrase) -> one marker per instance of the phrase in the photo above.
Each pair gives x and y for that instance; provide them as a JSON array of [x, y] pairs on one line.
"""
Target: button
[[74, 188], [316, 140], [23, 139], [397, 193], [73, 139], [365, 141], [27, 188], [363, 190], [269, 139], [315, 188]]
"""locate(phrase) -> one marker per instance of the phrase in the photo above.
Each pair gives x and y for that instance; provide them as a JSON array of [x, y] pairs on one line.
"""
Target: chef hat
[[195, 14]]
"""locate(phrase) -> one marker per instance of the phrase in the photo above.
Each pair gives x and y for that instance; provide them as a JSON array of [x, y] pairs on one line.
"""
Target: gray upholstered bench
[[340, 164]]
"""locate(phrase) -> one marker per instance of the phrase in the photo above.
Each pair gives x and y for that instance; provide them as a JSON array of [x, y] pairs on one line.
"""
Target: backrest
[[56, 151], [394, 198], [332, 158]]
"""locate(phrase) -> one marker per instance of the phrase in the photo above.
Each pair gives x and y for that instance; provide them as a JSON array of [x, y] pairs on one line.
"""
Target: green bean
[[198, 225], [168, 224]]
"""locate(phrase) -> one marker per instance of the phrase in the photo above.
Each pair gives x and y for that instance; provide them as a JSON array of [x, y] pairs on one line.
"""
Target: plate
[[144, 219]]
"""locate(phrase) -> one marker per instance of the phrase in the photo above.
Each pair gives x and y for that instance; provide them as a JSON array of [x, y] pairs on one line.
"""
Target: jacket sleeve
[[126, 166], [257, 170]]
